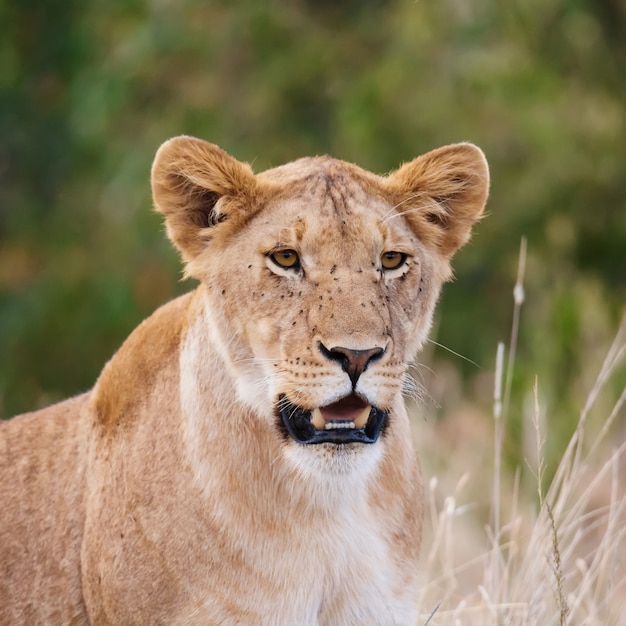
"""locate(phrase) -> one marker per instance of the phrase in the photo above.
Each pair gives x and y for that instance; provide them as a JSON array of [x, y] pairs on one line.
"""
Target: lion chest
[[316, 576]]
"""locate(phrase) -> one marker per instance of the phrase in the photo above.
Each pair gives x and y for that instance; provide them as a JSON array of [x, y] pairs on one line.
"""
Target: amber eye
[[286, 258], [392, 260]]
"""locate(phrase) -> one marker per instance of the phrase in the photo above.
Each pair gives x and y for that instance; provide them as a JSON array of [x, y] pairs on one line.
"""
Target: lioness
[[245, 457]]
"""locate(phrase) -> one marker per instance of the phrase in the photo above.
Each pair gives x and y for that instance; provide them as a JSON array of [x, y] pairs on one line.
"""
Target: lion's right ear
[[197, 186]]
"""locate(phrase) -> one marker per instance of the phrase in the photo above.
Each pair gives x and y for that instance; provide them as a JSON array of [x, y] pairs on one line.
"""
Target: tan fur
[[169, 494]]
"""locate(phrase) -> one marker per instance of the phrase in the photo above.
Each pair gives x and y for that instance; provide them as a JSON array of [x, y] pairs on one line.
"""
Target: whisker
[[420, 368], [392, 214], [255, 359], [453, 352], [411, 210], [393, 208], [414, 389]]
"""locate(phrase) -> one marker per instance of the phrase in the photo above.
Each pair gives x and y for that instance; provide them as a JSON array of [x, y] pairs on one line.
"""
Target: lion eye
[[392, 260], [286, 258]]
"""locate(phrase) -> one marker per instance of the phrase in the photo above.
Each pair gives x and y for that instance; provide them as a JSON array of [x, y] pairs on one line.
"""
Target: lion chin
[[245, 457]]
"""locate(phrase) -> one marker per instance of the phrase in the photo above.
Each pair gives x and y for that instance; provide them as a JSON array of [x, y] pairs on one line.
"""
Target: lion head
[[320, 279]]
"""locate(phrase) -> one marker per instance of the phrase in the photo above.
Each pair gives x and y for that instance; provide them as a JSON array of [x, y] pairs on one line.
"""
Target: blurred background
[[88, 91]]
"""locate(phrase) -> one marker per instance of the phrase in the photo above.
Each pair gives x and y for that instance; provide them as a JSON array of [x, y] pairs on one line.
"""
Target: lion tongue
[[350, 409]]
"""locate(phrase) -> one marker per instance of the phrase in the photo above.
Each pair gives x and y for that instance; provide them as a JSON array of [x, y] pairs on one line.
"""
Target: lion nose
[[353, 362]]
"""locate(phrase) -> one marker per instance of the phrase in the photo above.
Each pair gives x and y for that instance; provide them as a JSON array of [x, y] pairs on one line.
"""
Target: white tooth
[[360, 421], [317, 420], [339, 425]]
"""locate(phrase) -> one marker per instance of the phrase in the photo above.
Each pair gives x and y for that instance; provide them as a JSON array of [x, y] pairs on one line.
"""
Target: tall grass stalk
[[519, 296], [500, 412]]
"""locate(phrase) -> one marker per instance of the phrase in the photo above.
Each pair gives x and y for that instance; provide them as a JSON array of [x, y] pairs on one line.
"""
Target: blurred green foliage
[[89, 90]]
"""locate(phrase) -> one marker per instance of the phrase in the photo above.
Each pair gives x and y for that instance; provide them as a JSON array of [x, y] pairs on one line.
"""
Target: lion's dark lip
[[296, 423]]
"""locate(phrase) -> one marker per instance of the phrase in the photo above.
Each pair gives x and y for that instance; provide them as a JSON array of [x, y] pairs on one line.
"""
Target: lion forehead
[[325, 205], [311, 169]]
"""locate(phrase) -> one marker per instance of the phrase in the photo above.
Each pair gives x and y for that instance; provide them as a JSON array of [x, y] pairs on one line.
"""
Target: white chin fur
[[334, 470]]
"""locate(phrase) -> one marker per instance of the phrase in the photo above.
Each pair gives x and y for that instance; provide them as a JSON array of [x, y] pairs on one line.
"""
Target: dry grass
[[557, 558], [500, 547]]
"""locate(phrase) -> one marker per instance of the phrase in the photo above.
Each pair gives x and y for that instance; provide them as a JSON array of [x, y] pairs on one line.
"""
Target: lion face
[[320, 279]]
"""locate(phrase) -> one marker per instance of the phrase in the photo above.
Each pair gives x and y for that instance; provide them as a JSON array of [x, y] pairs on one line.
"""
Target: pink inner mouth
[[348, 409]]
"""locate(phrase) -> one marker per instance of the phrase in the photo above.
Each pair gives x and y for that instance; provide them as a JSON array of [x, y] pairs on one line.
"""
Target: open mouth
[[349, 420]]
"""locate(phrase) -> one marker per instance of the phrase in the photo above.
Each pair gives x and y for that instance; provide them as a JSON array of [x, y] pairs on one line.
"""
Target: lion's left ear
[[202, 191], [443, 193]]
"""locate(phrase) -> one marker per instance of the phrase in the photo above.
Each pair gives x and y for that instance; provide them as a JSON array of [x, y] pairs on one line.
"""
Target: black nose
[[353, 362]]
